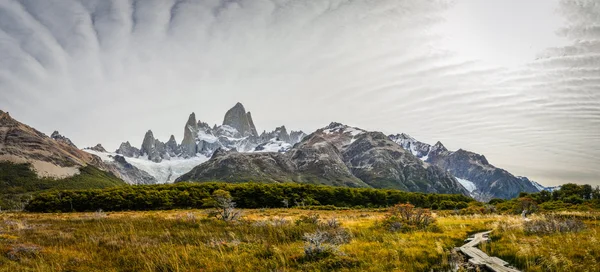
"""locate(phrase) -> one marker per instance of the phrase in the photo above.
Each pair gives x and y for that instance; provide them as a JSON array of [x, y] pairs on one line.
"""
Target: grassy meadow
[[273, 240]]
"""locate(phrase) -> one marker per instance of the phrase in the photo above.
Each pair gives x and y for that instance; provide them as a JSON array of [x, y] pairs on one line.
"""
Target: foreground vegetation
[[275, 240], [18, 182], [574, 246]]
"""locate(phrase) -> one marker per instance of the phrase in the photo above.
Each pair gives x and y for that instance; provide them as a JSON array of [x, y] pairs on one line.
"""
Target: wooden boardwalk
[[479, 258]]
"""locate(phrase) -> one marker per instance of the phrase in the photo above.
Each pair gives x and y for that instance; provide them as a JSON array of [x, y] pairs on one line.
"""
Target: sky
[[515, 80]]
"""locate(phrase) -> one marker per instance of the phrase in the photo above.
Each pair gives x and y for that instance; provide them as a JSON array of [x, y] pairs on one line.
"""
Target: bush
[[405, 217], [317, 246], [552, 224], [310, 219], [225, 207]]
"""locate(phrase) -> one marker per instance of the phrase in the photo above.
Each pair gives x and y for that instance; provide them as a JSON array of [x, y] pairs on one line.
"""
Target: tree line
[[568, 197], [245, 195]]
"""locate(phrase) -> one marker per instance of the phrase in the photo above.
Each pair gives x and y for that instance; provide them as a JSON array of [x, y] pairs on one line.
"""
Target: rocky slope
[[475, 172], [336, 155], [54, 156]]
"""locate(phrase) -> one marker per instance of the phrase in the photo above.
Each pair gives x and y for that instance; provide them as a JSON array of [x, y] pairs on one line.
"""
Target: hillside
[[18, 181]]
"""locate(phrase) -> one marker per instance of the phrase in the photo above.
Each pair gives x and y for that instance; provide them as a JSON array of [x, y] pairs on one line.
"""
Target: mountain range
[[234, 151]]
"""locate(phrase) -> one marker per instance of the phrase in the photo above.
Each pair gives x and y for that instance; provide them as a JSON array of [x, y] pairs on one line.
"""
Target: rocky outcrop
[[280, 134], [239, 119], [98, 148], [56, 136], [127, 150], [190, 133]]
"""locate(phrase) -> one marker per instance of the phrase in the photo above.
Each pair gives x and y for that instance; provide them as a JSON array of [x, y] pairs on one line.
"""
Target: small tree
[[527, 205], [223, 202]]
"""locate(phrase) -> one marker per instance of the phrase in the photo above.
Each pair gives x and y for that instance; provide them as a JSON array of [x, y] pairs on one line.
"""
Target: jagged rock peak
[[56, 136], [149, 147], [191, 119], [127, 150], [171, 146], [334, 125], [98, 148], [405, 136], [238, 118], [190, 131], [439, 147]]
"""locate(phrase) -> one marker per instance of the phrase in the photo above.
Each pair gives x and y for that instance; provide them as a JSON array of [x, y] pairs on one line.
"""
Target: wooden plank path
[[479, 258]]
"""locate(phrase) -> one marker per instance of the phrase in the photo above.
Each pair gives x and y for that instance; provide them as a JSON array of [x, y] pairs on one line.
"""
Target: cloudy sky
[[517, 81]]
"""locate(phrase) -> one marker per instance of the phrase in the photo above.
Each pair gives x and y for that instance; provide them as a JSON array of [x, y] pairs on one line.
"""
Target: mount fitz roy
[[234, 151]]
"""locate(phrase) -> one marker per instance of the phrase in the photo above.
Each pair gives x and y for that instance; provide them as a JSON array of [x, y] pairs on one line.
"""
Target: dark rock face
[[130, 173], [238, 118], [98, 148], [241, 167], [322, 163], [56, 136], [150, 149], [382, 163], [127, 150], [490, 181], [190, 132]]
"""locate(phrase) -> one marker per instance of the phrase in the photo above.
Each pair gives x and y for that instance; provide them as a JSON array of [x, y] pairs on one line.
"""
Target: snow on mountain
[[469, 185], [419, 149], [350, 133], [542, 187], [204, 136], [273, 145], [165, 171]]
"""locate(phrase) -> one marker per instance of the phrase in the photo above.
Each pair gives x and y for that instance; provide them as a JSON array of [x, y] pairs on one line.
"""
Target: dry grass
[[560, 250], [265, 240]]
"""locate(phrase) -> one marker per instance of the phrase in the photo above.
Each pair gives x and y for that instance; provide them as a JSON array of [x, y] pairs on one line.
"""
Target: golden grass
[[185, 240]]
